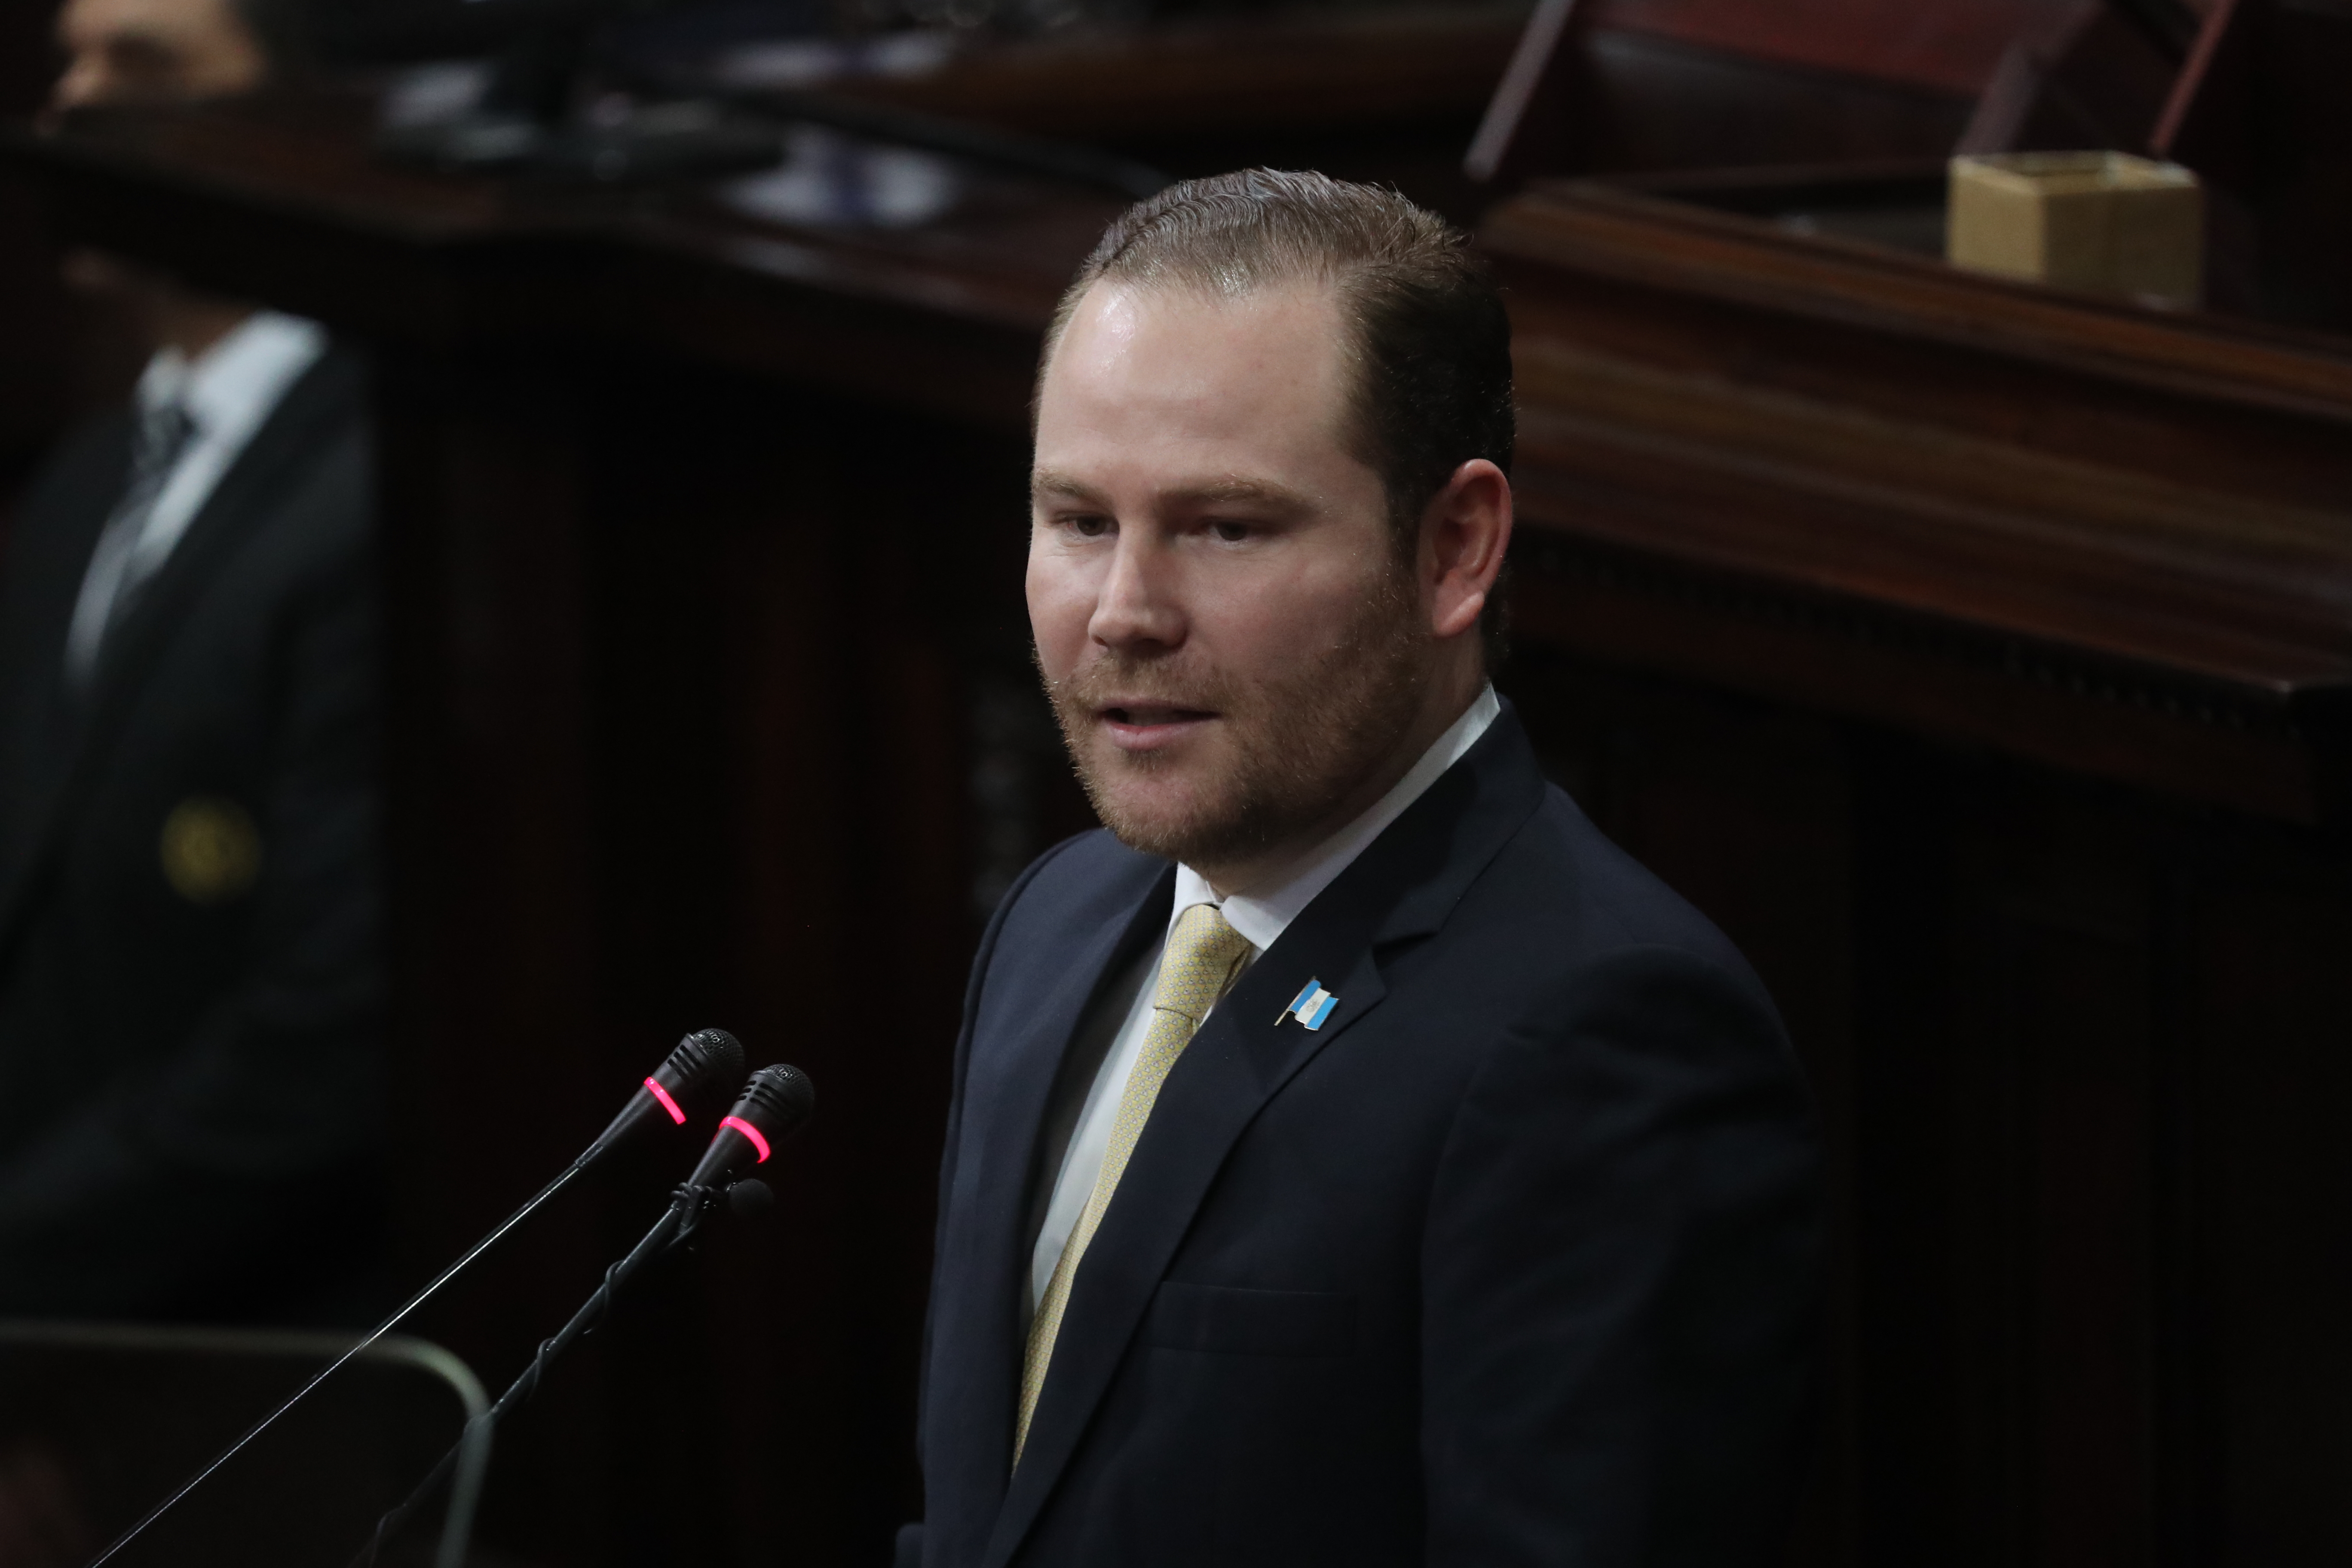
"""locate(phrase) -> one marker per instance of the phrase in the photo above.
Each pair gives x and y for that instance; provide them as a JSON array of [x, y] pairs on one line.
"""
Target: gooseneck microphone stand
[[687, 1206], [773, 1106], [706, 1059]]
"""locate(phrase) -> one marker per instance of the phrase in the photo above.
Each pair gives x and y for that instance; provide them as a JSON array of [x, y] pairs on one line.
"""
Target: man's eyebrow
[[1254, 492], [1046, 484]]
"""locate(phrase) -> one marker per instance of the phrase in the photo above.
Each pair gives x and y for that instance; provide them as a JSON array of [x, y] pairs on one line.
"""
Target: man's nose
[[82, 82], [1141, 602]]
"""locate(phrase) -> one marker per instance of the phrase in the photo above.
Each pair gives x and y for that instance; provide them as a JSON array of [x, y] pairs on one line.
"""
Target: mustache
[[1142, 682]]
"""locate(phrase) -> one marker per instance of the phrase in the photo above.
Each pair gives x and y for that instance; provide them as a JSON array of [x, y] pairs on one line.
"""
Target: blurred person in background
[[190, 981]]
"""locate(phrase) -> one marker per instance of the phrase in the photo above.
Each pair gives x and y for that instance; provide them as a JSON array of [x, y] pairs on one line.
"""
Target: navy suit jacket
[[1514, 1260]]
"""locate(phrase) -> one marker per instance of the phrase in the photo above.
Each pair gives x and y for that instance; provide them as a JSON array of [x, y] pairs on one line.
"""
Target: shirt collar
[[1264, 914], [230, 389]]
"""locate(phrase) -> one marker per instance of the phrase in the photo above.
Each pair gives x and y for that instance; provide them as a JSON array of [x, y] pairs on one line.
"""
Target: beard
[[1289, 744]]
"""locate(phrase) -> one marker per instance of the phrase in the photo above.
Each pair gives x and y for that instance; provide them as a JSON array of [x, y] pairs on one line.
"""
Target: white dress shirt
[[228, 393], [1262, 916]]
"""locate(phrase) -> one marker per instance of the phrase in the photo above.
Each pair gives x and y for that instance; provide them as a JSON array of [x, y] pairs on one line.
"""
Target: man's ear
[[1464, 531]]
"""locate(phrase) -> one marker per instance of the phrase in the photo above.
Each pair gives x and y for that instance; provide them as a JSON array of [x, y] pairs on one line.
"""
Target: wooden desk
[[2113, 540], [1163, 87]]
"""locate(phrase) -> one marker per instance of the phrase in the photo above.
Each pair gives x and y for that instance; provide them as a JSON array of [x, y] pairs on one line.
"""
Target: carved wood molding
[[2208, 741], [2116, 541]]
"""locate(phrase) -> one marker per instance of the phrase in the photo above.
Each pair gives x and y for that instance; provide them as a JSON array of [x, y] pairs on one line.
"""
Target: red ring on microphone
[[667, 1104], [750, 1131]]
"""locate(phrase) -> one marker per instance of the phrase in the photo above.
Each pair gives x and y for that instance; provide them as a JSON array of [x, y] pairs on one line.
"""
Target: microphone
[[771, 1110], [698, 1074], [696, 1077]]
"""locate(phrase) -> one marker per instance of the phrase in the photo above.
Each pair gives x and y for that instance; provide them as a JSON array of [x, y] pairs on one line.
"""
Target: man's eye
[[1231, 532], [1088, 527]]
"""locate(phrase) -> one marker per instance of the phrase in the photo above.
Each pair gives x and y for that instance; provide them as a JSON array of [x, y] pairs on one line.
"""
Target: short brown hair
[[1432, 343]]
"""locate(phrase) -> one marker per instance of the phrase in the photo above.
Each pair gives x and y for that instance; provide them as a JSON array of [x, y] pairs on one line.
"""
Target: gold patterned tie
[[1203, 955]]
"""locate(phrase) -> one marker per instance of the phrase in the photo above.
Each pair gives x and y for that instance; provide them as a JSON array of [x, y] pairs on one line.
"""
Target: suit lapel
[[325, 398], [1231, 1069], [1007, 1111], [1400, 889], [47, 563]]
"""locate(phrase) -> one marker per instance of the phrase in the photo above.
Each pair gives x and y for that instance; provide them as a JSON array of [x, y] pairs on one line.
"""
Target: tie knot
[[163, 431], [1202, 957]]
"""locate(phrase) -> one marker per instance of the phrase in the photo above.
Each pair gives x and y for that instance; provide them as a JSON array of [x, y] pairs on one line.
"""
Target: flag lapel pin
[[1310, 1007]]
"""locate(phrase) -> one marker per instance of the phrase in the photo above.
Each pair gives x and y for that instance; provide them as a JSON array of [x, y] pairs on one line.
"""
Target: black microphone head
[[777, 1100], [696, 1079], [770, 1109], [704, 1072]]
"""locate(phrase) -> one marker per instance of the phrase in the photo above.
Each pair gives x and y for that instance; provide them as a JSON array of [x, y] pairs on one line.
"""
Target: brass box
[[2106, 222]]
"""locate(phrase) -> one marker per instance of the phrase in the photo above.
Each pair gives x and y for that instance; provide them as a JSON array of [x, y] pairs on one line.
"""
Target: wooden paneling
[[2031, 813], [2075, 1049], [679, 738]]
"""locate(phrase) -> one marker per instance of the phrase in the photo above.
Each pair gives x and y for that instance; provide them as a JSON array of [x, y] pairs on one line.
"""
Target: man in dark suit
[[1354, 1159], [191, 986]]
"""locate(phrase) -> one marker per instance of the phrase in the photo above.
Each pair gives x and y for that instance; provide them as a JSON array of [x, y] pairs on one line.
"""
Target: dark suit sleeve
[[1622, 1276], [247, 1147], [909, 1546]]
